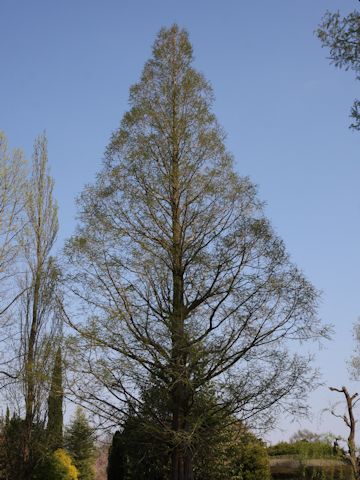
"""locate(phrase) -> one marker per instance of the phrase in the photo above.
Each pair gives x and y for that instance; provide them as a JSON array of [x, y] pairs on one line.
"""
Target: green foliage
[[342, 36], [12, 456], [56, 466], [12, 444], [253, 461], [117, 461], [238, 456], [220, 451], [142, 450], [300, 453], [318, 449], [55, 405], [80, 442], [173, 271]]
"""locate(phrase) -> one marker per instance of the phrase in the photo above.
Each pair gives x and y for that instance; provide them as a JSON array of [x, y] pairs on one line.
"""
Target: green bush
[[57, 466], [240, 457], [254, 461], [303, 448]]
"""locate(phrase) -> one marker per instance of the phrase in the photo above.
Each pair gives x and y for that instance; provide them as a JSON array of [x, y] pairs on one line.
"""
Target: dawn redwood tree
[[341, 35], [177, 275]]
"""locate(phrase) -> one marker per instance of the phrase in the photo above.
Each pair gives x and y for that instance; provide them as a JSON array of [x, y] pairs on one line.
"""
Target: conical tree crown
[[182, 274], [80, 442]]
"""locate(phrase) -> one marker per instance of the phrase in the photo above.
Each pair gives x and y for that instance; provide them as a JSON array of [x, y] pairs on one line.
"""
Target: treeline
[[32, 443], [52, 456], [173, 304]]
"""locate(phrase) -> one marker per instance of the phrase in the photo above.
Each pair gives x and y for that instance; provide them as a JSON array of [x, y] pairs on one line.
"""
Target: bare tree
[[350, 422], [177, 276], [13, 175], [12, 201]]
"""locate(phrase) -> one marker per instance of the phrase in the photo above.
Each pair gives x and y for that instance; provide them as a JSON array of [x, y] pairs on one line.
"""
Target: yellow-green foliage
[[254, 461], [318, 449], [239, 456], [65, 465], [58, 466]]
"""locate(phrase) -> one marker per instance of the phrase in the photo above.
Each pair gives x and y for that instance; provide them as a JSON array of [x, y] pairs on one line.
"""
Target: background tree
[[341, 35], [349, 420], [307, 436], [178, 272], [12, 201], [80, 442], [55, 404], [13, 174], [39, 324], [117, 461], [13, 454]]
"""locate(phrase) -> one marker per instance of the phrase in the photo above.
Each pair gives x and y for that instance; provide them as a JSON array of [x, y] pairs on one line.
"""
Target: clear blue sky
[[66, 66]]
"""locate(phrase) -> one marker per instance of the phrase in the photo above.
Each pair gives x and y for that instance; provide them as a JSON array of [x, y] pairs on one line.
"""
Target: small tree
[[253, 461], [55, 405], [80, 442], [13, 453], [56, 466]]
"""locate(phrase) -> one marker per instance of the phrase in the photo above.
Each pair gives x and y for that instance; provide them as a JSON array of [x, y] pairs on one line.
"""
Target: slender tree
[[179, 273], [13, 176], [116, 469], [12, 202], [55, 404], [39, 326], [341, 35]]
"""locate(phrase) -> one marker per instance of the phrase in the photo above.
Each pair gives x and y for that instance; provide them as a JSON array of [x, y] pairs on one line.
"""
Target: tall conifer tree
[[55, 404], [116, 469], [185, 282], [80, 442]]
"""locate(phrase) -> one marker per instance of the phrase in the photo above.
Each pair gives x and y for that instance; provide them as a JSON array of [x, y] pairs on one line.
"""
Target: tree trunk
[[350, 422], [181, 467], [30, 390]]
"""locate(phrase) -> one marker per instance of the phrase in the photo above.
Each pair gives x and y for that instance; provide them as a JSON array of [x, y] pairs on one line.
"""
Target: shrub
[[57, 466], [305, 449]]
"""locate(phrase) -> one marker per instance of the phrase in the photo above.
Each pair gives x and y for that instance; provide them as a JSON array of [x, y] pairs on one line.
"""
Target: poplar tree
[[13, 176], [39, 325], [12, 202], [178, 276]]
